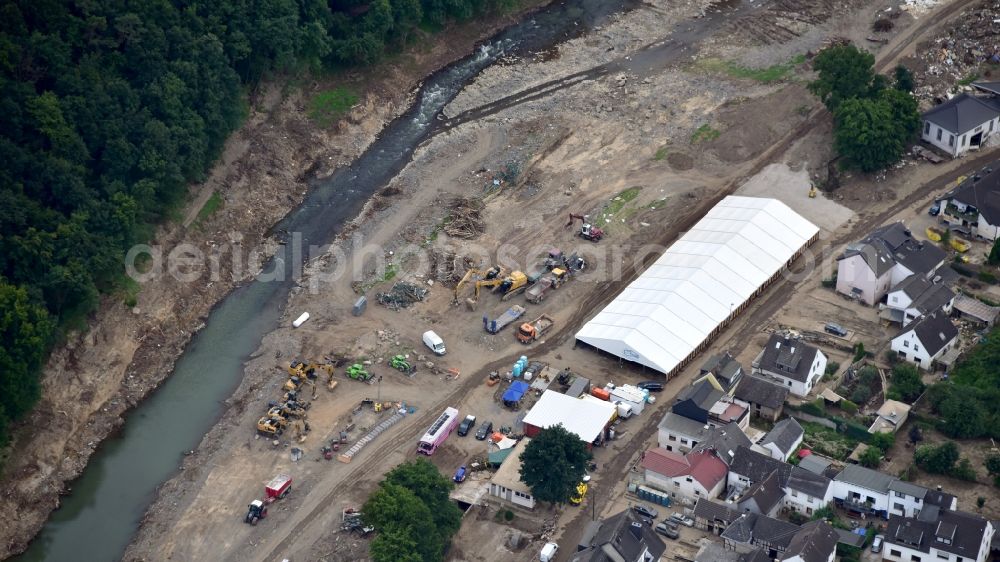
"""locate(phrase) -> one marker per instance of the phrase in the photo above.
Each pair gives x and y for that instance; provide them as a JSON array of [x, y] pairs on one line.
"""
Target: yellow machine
[[513, 284], [271, 426], [960, 244], [812, 191], [299, 430], [302, 373], [481, 276], [581, 491]]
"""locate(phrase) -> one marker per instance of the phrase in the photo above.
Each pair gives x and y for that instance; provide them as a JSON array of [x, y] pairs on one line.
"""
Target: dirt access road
[[624, 149]]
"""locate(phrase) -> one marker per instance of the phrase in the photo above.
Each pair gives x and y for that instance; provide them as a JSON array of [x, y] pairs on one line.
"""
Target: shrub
[[909, 473], [831, 368], [964, 471], [848, 406], [861, 394], [961, 270], [508, 515], [981, 502], [815, 408], [987, 277], [938, 459], [859, 351]]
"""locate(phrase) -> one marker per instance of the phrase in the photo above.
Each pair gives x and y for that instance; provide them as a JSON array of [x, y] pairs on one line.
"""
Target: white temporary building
[[585, 418], [706, 277]]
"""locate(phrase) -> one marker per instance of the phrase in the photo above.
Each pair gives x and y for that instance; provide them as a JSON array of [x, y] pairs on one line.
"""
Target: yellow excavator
[[302, 373], [513, 284], [272, 424], [495, 272]]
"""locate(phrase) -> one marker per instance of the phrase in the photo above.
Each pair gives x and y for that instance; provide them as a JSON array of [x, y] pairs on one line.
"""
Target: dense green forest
[[110, 108]]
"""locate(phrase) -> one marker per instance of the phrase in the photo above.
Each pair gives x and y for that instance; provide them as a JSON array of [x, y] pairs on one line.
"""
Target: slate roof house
[[678, 433], [713, 516], [783, 439], [926, 339], [750, 531], [791, 363], [724, 368], [863, 490], [763, 497], [961, 124], [917, 296], [815, 541], [975, 204], [749, 467], [766, 398], [868, 269], [938, 534], [622, 538], [706, 404], [806, 491]]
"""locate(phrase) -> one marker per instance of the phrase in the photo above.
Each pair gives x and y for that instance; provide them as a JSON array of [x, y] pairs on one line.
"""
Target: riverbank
[[92, 381]]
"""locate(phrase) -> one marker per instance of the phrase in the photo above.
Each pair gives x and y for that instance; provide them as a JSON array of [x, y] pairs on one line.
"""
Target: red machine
[[278, 487], [587, 231]]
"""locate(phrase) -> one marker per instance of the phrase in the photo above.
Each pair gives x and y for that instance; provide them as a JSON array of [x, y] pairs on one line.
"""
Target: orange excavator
[[587, 231]]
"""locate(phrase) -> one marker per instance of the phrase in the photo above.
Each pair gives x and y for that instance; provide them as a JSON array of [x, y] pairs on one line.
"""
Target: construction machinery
[[531, 331], [288, 409], [357, 372], [271, 426], [508, 316], [400, 363], [551, 280], [587, 230], [812, 192], [511, 285], [299, 428], [480, 276], [255, 512]]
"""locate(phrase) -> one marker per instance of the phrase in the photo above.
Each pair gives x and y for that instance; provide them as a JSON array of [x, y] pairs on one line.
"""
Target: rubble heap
[[466, 220], [959, 53], [402, 295]]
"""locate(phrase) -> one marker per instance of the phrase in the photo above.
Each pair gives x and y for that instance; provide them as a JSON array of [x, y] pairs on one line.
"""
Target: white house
[[975, 204], [807, 492], [938, 535], [917, 296], [862, 490], [790, 363], [926, 339], [506, 482], [868, 269], [815, 541], [692, 476], [783, 439], [906, 499], [961, 124]]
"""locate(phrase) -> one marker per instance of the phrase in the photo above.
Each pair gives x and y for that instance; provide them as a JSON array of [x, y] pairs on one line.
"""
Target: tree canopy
[[109, 109], [966, 402], [553, 464], [873, 124], [906, 383], [412, 513], [938, 459]]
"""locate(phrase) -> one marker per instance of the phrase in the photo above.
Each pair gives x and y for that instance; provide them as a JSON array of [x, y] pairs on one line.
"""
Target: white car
[[548, 552], [682, 519]]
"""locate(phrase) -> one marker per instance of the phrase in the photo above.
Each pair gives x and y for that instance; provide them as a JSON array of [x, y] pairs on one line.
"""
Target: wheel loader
[[400, 363], [357, 372]]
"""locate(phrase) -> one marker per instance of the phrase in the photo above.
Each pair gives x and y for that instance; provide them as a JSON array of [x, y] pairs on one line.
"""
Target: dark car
[[466, 425], [645, 511], [935, 210], [484, 431], [835, 329], [652, 386]]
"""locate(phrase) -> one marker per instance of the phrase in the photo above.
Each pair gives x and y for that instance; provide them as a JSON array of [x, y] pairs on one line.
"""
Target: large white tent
[[666, 314]]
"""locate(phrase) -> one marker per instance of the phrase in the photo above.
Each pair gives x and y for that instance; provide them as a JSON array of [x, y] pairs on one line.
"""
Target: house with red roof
[[694, 475]]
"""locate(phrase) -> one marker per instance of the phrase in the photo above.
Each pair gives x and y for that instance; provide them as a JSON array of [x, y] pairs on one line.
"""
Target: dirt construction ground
[[644, 154]]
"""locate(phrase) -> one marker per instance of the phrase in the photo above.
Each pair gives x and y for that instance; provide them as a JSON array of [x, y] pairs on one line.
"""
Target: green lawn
[[326, 107], [766, 75]]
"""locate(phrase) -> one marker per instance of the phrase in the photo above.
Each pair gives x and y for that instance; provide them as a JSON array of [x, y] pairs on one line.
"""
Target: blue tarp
[[516, 391]]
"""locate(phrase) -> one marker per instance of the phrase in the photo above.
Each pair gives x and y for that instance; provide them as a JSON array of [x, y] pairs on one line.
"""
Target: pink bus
[[438, 432]]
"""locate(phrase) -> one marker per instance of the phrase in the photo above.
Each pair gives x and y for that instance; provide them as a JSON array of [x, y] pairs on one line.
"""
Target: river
[[99, 517]]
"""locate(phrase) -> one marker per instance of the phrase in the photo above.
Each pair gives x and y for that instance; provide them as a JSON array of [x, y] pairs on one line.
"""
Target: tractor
[[357, 372], [255, 512], [400, 363]]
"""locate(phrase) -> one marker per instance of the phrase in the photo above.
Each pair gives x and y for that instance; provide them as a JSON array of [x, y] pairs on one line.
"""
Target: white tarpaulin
[[712, 270]]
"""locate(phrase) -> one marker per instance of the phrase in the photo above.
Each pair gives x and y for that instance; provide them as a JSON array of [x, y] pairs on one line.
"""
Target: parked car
[[667, 531], [935, 210], [877, 544], [460, 474], [652, 386], [835, 329], [548, 552], [466, 425], [645, 510], [682, 519], [484, 431]]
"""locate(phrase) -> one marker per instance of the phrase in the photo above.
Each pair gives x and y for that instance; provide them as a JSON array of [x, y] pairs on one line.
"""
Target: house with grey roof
[[677, 432], [926, 339], [938, 534], [751, 531], [766, 398], [703, 402], [974, 204], [870, 268], [917, 296], [783, 439], [963, 123], [763, 497], [712, 516], [862, 490], [791, 363], [749, 467], [724, 441], [806, 492], [815, 541], [622, 538], [726, 370]]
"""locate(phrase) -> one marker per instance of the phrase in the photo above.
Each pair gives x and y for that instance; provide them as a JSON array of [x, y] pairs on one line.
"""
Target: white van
[[434, 342], [548, 552]]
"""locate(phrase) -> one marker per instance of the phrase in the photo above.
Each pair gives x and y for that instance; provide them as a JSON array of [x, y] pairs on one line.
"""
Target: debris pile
[[956, 58], [466, 220], [402, 295], [446, 267]]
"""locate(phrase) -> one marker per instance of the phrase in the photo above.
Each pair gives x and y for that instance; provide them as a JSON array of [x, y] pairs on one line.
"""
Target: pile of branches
[[446, 267], [402, 295], [465, 219]]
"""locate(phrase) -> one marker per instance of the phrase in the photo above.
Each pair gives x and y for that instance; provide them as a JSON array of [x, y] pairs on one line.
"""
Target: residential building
[[506, 482], [678, 433], [750, 531], [926, 339], [749, 467], [818, 464], [906, 499], [704, 403], [862, 490], [783, 439], [691, 476], [724, 441], [791, 363], [622, 538], [938, 534], [975, 204], [890, 417], [868, 269], [766, 398], [724, 369], [961, 124], [763, 497], [713, 517], [915, 297], [815, 541], [807, 492]]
